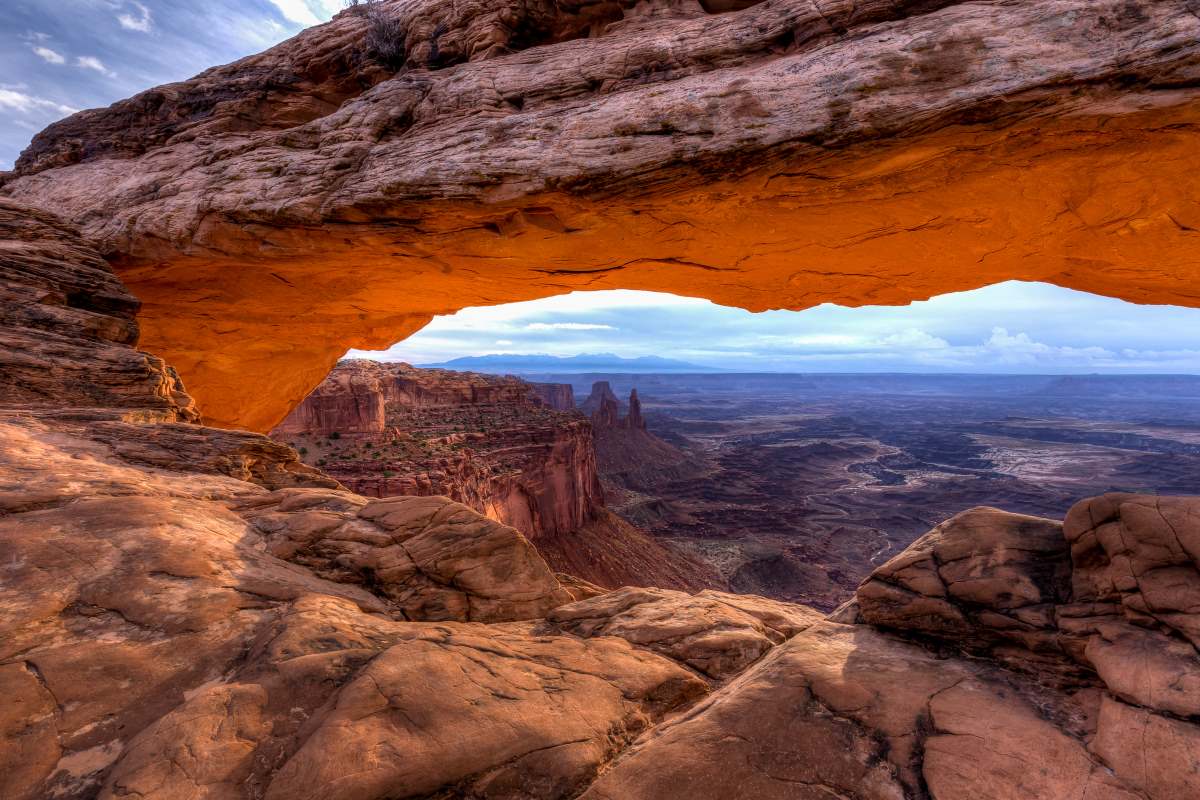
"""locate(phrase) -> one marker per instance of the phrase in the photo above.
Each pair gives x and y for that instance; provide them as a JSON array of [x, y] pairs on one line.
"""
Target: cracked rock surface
[[190, 613]]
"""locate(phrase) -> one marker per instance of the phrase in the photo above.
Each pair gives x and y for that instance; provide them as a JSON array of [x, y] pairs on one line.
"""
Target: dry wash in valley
[[188, 610]]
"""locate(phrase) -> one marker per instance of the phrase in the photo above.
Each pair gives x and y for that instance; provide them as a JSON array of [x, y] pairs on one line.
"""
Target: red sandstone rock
[[559, 396], [984, 579], [492, 443], [67, 328], [601, 405], [778, 156], [704, 631], [171, 627]]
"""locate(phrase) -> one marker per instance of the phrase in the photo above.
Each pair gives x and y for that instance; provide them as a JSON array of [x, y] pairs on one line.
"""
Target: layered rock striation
[[492, 443], [336, 191], [489, 442]]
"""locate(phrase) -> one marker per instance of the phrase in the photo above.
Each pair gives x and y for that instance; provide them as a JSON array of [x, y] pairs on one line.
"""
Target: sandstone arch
[[276, 211]]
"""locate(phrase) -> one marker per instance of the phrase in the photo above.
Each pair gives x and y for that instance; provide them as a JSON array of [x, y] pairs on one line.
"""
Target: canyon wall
[[274, 212], [491, 443], [559, 396]]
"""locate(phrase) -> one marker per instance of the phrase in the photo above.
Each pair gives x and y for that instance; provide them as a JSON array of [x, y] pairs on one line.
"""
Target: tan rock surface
[[704, 631], [779, 156], [984, 579], [66, 329], [1136, 582], [844, 711]]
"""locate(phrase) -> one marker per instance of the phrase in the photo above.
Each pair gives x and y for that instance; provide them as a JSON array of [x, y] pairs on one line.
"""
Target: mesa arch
[[274, 212]]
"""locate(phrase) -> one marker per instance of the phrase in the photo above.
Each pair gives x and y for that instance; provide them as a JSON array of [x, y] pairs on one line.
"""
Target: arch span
[[275, 212]]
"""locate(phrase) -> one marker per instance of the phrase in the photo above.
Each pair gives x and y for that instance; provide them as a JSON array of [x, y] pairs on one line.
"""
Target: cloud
[[93, 63], [1022, 348], [568, 326], [139, 23], [503, 342], [48, 55], [307, 12], [914, 339], [16, 100]]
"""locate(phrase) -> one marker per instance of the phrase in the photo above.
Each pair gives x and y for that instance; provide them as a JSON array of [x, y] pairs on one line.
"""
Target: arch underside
[[781, 156]]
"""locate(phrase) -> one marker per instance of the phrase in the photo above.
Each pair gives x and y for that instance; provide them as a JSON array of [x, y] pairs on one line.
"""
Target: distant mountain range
[[516, 364]]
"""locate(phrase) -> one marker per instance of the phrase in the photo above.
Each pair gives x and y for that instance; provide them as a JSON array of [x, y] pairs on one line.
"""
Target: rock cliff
[[491, 443], [192, 612], [559, 396], [332, 193]]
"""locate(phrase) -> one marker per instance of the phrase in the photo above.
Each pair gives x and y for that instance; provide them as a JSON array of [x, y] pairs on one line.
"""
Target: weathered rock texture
[[67, 326], [845, 709], [276, 211], [188, 611], [486, 441], [185, 613], [490, 443]]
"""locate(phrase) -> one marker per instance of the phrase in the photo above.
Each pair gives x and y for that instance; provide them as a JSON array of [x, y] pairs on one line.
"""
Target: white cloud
[[48, 55], [307, 12], [93, 63], [567, 326], [504, 342], [914, 339], [141, 22], [839, 340], [16, 100]]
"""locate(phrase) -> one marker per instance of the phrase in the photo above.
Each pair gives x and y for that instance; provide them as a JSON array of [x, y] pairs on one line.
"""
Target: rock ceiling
[[275, 212]]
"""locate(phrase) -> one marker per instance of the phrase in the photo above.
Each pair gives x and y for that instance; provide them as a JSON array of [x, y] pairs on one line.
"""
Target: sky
[[59, 56], [1012, 327]]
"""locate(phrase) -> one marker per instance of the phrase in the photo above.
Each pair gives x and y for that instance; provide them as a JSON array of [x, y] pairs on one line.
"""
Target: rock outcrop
[[328, 194], [601, 405], [66, 329], [192, 611], [847, 709], [178, 623], [716, 633], [491, 443], [985, 580], [559, 396]]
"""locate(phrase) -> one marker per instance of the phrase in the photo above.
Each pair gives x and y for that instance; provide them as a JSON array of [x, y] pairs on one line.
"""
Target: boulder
[[704, 631], [983, 579]]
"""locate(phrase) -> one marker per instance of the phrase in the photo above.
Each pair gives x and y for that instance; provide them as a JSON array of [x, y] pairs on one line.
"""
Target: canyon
[[796, 486], [190, 610], [514, 451]]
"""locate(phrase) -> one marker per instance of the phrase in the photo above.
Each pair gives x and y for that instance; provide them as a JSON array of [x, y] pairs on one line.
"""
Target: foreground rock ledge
[[783, 155]]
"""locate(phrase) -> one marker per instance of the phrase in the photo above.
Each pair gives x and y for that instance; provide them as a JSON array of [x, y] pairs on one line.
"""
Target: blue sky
[[59, 56], [1011, 327], [62, 55]]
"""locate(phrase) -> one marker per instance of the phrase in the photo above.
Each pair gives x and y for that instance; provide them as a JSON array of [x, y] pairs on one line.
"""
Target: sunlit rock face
[[495, 444], [328, 194]]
